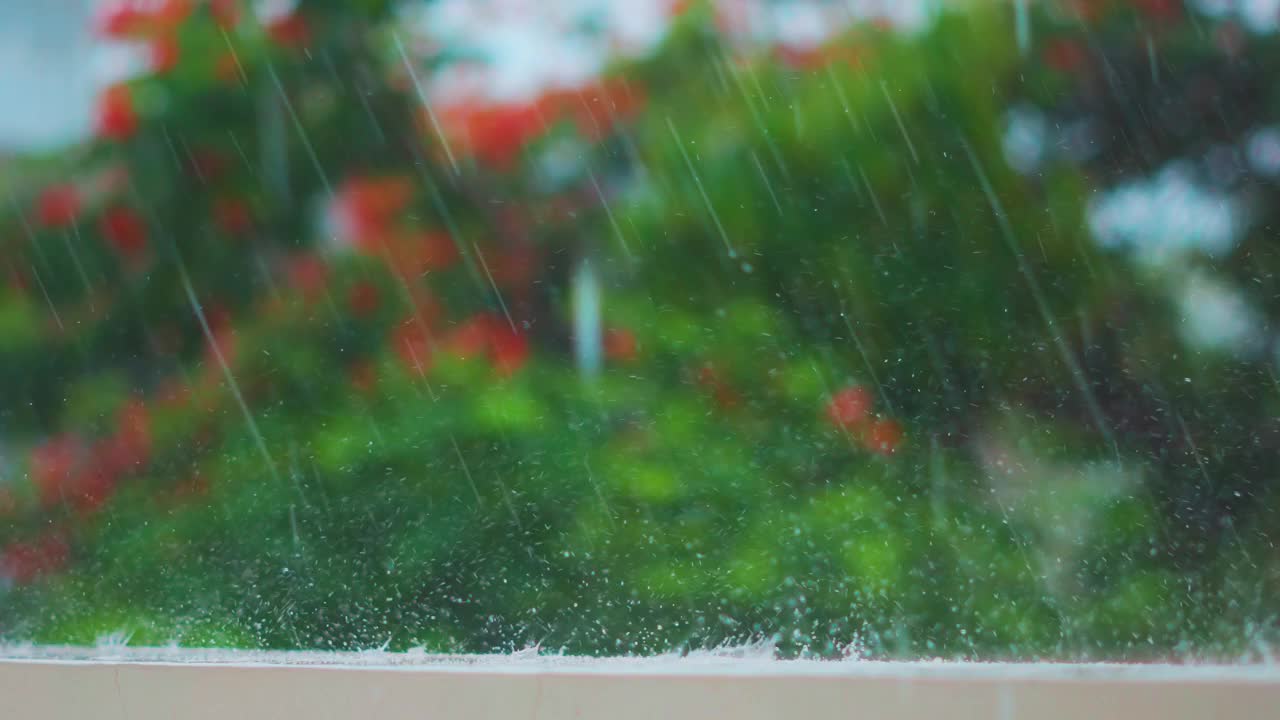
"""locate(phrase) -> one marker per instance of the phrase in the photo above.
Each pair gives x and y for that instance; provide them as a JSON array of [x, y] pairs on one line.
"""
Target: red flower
[[1064, 55], [1160, 10], [120, 20], [58, 206], [366, 208], [132, 438], [678, 7], [620, 344], [851, 406], [726, 396], [226, 13], [802, 58], [309, 274], [494, 134], [63, 469], [471, 338], [509, 349], [164, 54], [96, 481], [595, 108], [491, 336], [612, 102], [171, 13], [208, 164], [515, 267], [25, 562], [290, 31], [413, 254], [883, 436], [363, 376], [174, 393], [426, 307], [412, 344], [134, 19], [218, 316], [226, 69], [435, 250], [116, 119], [232, 216], [363, 299], [53, 466], [125, 230]]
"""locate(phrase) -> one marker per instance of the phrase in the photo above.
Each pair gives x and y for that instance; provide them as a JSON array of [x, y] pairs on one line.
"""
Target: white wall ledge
[[133, 684]]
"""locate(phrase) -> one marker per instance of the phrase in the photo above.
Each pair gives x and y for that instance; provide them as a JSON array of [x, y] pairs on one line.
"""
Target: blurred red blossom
[[137, 19], [849, 406], [366, 208], [495, 134], [231, 215], [164, 54], [53, 465], [411, 342], [124, 230], [116, 119], [309, 275], [24, 562], [883, 436], [58, 206], [226, 13], [1064, 55], [493, 337], [363, 375], [620, 344], [363, 299], [290, 31]]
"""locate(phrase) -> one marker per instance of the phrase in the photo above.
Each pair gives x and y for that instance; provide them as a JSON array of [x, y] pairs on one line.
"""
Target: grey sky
[[46, 88]]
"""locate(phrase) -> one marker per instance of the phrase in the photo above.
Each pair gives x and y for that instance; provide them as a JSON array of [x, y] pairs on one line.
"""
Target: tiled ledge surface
[[140, 684]]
